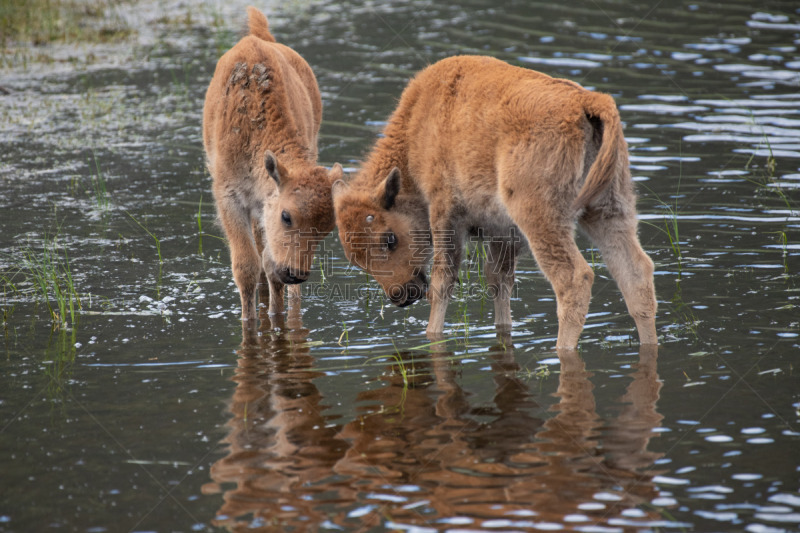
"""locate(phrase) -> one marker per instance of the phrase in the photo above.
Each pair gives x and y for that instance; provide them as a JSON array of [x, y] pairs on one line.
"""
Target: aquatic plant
[[345, 335], [46, 21], [60, 356], [771, 164], [200, 232], [45, 276], [8, 307], [399, 363], [476, 259], [784, 241], [766, 182], [684, 313], [670, 228], [318, 258], [541, 372]]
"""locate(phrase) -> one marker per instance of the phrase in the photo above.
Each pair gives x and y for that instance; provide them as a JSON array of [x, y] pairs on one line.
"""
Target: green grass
[[45, 276], [345, 336], [684, 313], [541, 372], [670, 229], [476, 259], [399, 366], [474, 265], [9, 289], [60, 355], [784, 242], [200, 232], [767, 184], [46, 21]]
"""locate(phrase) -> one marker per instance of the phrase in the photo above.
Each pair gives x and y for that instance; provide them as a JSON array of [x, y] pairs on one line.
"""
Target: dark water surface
[[150, 414]]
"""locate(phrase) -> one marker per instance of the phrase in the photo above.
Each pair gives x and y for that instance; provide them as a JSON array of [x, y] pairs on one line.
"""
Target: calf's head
[[386, 234], [301, 217]]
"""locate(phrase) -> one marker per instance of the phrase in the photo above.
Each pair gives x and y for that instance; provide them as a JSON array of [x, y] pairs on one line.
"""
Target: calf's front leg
[[276, 301], [448, 248], [245, 262]]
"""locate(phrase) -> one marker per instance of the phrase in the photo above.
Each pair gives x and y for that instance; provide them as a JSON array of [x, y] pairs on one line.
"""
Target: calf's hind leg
[[551, 240], [629, 265]]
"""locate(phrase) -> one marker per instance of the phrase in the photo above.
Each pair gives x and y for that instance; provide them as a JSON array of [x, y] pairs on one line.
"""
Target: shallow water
[[150, 414]]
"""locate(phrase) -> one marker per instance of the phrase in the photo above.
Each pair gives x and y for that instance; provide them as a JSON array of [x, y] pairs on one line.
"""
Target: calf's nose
[[292, 277]]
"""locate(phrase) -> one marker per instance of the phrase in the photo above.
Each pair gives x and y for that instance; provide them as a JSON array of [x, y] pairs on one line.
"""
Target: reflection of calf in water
[[589, 458], [420, 453], [280, 446]]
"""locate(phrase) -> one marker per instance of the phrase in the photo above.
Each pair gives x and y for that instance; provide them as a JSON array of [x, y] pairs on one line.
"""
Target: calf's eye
[[287, 220], [391, 241]]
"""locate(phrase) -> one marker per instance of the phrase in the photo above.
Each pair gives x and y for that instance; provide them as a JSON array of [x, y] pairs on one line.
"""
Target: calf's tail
[[612, 156], [258, 25]]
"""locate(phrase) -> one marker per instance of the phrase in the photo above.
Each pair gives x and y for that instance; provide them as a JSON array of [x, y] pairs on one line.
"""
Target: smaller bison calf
[[260, 124]]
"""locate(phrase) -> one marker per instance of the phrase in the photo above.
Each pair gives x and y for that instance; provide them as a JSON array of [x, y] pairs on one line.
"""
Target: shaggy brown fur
[[260, 124], [479, 146]]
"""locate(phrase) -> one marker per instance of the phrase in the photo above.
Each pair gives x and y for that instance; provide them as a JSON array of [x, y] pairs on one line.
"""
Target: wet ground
[[146, 413]]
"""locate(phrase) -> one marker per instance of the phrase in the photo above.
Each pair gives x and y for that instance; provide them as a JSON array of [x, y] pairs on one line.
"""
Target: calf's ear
[[337, 188], [271, 164], [390, 188], [335, 173]]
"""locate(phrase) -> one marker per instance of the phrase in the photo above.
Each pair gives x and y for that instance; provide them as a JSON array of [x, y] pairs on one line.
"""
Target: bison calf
[[260, 124], [479, 146]]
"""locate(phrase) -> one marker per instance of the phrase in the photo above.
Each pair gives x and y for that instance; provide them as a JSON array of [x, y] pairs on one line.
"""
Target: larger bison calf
[[477, 145], [260, 124]]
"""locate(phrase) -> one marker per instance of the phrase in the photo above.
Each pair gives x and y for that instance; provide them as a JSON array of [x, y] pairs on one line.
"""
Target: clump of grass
[[672, 232], [767, 181], [768, 184], [771, 164], [200, 232], [541, 372], [476, 259], [685, 313], [398, 359], [784, 241], [60, 354], [8, 308], [323, 260], [45, 21], [344, 336], [52, 275], [99, 186], [46, 276], [670, 229]]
